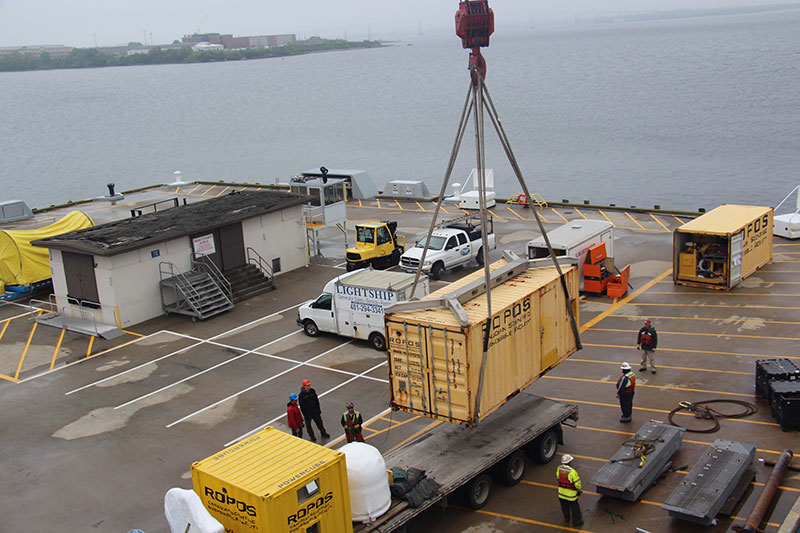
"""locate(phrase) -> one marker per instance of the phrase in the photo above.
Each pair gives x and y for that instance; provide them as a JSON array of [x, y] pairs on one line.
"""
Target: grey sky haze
[[83, 23]]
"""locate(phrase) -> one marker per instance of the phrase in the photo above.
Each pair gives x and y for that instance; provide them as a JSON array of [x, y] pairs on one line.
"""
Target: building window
[[276, 265]]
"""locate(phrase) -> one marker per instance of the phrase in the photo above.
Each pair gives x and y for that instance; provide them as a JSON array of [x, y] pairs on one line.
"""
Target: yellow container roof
[[727, 218], [502, 296], [269, 463]]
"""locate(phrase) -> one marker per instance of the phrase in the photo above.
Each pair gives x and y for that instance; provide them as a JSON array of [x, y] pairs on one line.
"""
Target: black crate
[[770, 369], [786, 403]]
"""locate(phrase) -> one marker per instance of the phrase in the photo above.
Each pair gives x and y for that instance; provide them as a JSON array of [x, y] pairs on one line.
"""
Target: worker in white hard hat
[[625, 388], [569, 488]]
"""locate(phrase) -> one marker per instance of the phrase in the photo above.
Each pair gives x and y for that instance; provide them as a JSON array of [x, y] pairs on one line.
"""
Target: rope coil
[[702, 411]]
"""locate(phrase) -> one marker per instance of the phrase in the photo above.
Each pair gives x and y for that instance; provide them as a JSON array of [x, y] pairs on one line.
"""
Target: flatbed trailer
[[465, 460]]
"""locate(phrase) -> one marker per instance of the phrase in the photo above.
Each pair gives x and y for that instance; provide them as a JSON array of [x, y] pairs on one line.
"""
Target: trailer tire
[[512, 469], [477, 491], [310, 328], [543, 449], [378, 342], [436, 270]]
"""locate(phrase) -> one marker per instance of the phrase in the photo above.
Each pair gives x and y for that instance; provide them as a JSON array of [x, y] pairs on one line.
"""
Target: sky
[[86, 23]]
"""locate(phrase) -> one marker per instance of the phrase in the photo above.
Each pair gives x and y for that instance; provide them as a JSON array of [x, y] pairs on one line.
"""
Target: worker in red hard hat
[[646, 341], [309, 405]]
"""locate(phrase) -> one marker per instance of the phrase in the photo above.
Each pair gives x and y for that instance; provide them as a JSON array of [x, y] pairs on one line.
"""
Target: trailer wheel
[[436, 270], [543, 449], [512, 468], [311, 328], [377, 341], [478, 491]]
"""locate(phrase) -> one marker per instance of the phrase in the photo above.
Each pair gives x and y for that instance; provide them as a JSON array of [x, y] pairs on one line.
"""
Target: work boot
[[625, 419], [642, 369], [653, 371], [325, 436], [313, 438]]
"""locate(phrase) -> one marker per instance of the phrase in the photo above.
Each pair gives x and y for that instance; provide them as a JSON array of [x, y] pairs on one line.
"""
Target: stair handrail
[[74, 304], [33, 308], [202, 263], [182, 284], [256, 259]]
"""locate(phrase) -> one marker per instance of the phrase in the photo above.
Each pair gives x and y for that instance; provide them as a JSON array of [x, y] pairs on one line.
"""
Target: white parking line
[[251, 387], [361, 375]]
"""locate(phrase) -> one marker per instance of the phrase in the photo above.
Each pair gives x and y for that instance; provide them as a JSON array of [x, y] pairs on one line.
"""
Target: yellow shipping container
[[722, 247], [273, 482], [435, 358]]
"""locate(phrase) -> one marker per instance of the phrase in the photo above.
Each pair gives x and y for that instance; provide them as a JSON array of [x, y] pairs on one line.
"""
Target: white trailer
[[574, 239], [352, 305]]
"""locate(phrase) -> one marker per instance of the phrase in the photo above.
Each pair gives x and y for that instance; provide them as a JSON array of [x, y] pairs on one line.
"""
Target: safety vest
[[569, 482], [631, 381], [351, 422]]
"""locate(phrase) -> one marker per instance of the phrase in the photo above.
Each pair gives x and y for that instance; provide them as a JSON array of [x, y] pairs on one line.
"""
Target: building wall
[[278, 235]]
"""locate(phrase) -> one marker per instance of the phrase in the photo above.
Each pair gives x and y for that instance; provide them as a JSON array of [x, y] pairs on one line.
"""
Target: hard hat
[[293, 396], [625, 366], [647, 321], [566, 459], [306, 382], [349, 405]]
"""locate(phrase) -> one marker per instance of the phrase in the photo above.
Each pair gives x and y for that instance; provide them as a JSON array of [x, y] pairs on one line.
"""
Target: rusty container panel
[[435, 362]]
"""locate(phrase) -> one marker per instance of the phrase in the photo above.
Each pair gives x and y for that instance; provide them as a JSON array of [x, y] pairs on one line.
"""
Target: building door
[[224, 246], [81, 282]]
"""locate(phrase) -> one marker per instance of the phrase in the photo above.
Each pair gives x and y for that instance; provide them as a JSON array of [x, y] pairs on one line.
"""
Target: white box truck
[[352, 304], [574, 239]]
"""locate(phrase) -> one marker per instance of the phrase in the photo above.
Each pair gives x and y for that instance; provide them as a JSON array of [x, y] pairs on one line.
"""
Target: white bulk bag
[[184, 507], [370, 496]]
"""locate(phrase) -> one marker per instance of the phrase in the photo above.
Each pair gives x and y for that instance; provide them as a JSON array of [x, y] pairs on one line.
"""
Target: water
[[682, 113]]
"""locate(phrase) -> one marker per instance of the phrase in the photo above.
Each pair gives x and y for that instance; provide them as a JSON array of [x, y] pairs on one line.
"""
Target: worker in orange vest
[[625, 388], [569, 488]]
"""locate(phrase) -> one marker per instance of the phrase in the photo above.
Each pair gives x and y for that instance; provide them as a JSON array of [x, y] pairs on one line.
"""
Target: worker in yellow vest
[[569, 488]]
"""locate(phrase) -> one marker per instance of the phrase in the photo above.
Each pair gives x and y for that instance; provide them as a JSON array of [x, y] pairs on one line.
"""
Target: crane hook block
[[474, 23]]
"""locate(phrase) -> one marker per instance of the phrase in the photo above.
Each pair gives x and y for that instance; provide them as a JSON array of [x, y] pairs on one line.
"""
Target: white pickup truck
[[453, 243]]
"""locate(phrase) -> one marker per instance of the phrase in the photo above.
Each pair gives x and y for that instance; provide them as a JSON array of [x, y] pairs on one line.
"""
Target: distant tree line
[[93, 58]]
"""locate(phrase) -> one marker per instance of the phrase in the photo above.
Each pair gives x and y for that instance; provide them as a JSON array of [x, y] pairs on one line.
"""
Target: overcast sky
[[109, 22]]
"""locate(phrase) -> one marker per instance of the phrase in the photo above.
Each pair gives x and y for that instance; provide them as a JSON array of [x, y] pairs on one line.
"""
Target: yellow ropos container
[[722, 247], [273, 482], [435, 357]]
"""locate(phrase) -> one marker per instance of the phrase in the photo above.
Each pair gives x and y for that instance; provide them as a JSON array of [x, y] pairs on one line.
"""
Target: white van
[[352, 304], [574, 239]]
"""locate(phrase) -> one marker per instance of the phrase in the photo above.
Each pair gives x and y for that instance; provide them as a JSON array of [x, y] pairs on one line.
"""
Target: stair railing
[[73, 305], [167, 270], [203, 263], [265, 268]]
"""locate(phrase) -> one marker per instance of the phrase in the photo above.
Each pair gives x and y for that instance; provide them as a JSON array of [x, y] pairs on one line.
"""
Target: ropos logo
[[309, 509], [223, 498], [757, 225]]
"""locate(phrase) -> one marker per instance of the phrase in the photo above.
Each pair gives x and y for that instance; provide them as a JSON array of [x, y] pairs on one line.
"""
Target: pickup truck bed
[[453, 455]]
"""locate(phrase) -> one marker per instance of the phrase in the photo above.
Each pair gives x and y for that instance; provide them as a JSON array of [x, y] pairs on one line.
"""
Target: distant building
[[228, 41], [207, 47], [53, 50]]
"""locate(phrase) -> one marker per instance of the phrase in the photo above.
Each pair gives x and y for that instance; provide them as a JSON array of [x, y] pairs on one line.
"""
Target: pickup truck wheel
[[479, 257], [310, 327], [478, 491], [543, 449], [512, 468], [377, 341], [436, 270]]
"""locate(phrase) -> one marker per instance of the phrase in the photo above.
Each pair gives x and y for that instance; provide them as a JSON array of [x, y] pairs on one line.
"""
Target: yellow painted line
[[420, 206], [493, 213], [515, 213], [725, 320], [787, 261], [392, 425], [195, 188], [759, 355], [737, 335], [668, 387], [374, 431], [581, 214], [541, 215], [604, 216], [634, 220], [89, 349], [615, 363], [560, 527], [659, 221], [58, 345], [5, 327], [729, 306], [726, 293], [208, 190], [8, 378], [445, 210], [421, 431], [378, 201], [398, 204], [760, 282], [662, 411], [559, 214], [222, 191], [624, 301], [359, 202], [681, 222], [25, 351], [778, 271]]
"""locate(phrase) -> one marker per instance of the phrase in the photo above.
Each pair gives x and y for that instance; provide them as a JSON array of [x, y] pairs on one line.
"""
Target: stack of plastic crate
[[778, 384]]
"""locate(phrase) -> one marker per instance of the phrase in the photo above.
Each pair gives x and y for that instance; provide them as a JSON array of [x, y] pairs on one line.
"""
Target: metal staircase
[[200, 293]]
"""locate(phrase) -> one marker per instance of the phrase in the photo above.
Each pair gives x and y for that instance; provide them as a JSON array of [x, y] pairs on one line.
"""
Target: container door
[[736, 259], [549, 313], [446, 366]]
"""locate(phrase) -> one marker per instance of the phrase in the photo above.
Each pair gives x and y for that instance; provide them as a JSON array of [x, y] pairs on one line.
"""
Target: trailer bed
[[452, 455]]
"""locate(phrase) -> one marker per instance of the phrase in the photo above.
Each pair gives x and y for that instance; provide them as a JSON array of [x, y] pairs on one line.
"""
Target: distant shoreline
[[92, 58]]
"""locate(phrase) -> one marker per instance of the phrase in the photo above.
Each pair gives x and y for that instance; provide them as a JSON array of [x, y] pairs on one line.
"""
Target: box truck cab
[[574, 239], [352, 304]]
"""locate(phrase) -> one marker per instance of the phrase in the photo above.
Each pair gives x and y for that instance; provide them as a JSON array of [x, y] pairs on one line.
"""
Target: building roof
[[147, 230]]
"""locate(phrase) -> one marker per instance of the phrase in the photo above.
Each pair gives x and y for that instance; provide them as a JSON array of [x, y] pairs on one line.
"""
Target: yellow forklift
[[377, 244]]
